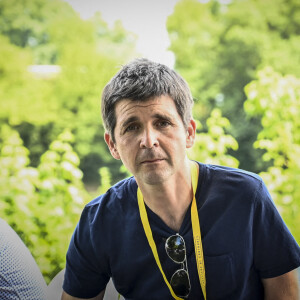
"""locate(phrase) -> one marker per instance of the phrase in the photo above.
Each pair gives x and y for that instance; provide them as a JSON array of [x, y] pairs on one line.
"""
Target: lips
[[149, 157], [151, 161]]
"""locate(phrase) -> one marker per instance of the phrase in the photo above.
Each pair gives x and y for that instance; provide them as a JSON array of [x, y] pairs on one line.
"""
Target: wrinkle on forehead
[[126, 105]]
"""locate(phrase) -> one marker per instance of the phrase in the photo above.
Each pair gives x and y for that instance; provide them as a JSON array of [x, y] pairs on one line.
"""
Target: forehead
[[127, 108]]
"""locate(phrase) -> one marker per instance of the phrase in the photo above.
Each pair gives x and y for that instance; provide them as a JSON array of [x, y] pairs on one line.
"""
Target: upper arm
[[86, 274], [284, 287], [66, 296]]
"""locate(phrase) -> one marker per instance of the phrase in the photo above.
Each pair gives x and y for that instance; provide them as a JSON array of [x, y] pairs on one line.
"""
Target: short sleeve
[[86, 272], [275, 250]]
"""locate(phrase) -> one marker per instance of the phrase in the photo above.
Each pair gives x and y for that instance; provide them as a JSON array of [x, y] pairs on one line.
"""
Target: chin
[[154, 177]]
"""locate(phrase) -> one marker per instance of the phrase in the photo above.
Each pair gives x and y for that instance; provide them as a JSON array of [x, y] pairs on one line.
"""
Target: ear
[[112, 146], [191, 134]]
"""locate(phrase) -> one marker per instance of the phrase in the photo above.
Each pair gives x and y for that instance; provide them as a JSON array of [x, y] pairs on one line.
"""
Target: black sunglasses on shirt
[[176, 250]]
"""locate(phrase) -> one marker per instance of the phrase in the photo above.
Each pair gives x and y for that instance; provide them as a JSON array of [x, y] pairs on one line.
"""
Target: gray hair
[[141, 80]]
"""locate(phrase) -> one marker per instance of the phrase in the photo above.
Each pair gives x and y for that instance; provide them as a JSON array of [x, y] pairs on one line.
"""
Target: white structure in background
[[147, 19], [44, 71]]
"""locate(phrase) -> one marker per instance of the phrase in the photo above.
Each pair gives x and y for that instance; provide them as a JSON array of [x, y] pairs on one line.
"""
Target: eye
[[131, 127], [163, 123]]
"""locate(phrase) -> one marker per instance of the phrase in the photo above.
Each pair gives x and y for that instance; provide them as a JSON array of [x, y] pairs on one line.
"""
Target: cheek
[[127, 150], [175, 144]]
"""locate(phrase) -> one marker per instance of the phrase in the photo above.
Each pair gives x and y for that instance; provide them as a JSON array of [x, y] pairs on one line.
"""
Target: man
[[144, 231], [20, 277]]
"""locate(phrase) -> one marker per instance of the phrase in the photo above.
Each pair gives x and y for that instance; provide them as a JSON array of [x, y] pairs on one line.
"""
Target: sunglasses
[[176, 250]]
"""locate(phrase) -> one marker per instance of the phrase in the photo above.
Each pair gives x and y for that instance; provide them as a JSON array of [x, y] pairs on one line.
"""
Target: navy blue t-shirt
[[244, 239]]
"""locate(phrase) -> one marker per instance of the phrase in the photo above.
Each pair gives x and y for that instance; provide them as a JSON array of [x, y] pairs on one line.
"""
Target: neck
[[171, 199]]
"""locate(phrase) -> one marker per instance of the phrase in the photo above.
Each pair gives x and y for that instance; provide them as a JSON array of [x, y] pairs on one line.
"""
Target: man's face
[[150, 138]]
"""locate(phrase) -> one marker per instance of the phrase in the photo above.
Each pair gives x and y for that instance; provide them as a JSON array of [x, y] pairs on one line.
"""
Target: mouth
[[152, 161]]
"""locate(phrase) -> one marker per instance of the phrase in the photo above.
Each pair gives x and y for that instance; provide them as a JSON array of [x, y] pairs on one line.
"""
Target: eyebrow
[[135, 119], [163, 117], [129, 121]]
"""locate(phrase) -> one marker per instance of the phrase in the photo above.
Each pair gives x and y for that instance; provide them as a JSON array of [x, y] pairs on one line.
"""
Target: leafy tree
[[42, 204], [61, 199], [24, 100], [105, 176], [212, 147], [276, 98], [218, 48], [87, 53], [17, 182], [27, 22]]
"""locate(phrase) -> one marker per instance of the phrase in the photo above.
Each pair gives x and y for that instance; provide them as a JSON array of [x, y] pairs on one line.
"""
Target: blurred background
[[241, 59]]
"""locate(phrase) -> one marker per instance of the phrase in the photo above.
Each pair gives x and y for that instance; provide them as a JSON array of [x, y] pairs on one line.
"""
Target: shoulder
[[19, 273], [102, 222], [234, 176], [115, 195], [4, 228], [9, 240], [218, 170], [116, 202], [233, 185]]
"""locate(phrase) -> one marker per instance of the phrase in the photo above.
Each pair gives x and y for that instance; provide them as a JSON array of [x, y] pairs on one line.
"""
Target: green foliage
[[218, 49], [276, 99], [40, 106], [211, 147], [42, 204], [17, 180], [27, 22], [42, 191], [105, 176]]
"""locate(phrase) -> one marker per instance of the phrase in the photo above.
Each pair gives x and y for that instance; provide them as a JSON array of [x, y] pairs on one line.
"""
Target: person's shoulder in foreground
[[20, 277]]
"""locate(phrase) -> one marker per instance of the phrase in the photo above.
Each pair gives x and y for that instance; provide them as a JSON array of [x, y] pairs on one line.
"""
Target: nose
[[149, 138]]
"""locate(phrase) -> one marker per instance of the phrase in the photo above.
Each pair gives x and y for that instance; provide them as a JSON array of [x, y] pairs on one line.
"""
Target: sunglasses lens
[[180, 283], [175, 248]]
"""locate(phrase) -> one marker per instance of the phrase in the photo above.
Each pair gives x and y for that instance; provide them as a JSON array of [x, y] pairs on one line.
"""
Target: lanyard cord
[[197, 232], [196, 235]]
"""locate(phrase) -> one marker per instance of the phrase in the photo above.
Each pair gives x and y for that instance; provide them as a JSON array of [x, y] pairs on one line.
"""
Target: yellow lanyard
[[196, 235]]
